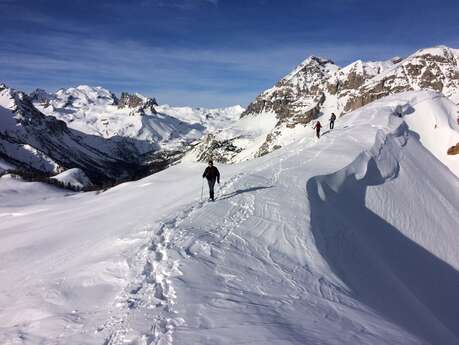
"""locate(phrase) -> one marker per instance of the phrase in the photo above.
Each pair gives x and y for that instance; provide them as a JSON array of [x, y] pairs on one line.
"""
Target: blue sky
[[205, 52]]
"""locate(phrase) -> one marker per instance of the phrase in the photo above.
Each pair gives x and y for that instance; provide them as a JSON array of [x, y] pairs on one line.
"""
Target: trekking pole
[[202, 188]]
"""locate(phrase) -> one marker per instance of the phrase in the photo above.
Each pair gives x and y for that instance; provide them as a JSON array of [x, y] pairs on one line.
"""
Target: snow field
[[350, 239]]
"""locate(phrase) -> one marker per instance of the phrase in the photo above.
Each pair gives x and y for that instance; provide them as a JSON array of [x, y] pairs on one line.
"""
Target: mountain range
[[114, 139], [111, 139]]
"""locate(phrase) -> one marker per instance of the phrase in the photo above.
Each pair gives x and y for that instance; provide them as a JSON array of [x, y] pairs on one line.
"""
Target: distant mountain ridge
[[111, 139], [43, 144]]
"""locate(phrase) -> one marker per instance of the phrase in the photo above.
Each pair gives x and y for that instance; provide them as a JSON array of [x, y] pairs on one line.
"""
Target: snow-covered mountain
[[347, 240], [43, 144], [89, 128], [97, 111], [317, 87]]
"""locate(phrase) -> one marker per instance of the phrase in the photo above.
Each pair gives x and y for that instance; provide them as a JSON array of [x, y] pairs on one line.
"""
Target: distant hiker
[[317, 127], [212, 175], [332, 120]]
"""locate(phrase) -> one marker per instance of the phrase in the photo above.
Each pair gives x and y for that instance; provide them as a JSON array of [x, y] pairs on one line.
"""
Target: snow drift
[[350, 239]]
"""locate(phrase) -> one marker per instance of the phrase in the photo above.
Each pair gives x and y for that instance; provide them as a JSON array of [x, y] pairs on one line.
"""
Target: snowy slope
[[74, 177], [15, 192], [351, 239], [435, 121]]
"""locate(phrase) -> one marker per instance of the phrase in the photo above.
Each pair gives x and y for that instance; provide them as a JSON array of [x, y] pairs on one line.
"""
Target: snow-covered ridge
[[348, 240]]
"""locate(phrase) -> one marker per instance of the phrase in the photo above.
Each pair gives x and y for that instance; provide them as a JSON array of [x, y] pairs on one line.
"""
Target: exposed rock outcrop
[[139, 103], [454, 150], [435, 69], [295, 98], [318, 87], [221, 151]]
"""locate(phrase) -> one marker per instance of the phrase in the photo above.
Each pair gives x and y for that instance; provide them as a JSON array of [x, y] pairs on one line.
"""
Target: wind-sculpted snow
[[350, 239], [408, 281]]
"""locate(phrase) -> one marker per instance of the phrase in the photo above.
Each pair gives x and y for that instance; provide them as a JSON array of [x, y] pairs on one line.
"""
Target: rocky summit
[[318, 87]]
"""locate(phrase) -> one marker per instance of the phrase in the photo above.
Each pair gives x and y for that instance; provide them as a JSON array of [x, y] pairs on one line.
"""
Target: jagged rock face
[[319, 87], [269, 144], [150, 105], [29, 117], [221, 151], [139, 103], [296, 98], [41, 96], [435, 69], [129, 100], [454, 150], [356, 74], [300, 97]]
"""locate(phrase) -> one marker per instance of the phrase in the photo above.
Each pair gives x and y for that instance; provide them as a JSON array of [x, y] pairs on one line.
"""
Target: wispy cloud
[[209, 77]]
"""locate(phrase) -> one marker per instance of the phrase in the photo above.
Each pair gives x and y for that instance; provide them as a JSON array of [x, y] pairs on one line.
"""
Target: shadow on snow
[[384, 269], [242, 191]]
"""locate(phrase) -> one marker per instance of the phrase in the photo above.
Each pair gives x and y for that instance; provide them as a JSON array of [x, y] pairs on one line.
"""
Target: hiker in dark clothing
[[332, 120], [317, 127], [212, 175]]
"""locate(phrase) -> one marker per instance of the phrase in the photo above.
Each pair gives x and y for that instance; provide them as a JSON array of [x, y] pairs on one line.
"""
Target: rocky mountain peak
[[139, 103], [318, 87], [296, 96], [312, 66], [314, 61], [129, 100], [41, 96]]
